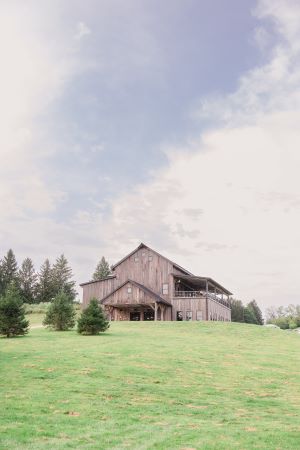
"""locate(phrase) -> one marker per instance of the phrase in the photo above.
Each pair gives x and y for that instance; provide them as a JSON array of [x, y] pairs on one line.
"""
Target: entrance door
[[148, 314], [135, 315]]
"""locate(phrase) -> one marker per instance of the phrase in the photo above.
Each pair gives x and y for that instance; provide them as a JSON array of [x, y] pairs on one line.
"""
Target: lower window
[[179, 315], [189, 315], [199, 315]]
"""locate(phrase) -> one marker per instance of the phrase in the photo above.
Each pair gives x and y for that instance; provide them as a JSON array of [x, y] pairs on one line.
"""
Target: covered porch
[[139, 312], [190, 286]]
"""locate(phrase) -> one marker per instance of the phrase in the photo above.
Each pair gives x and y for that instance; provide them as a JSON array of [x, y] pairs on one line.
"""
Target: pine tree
[[45, 289], [62, 277], [27, 280], [102, 270], [257, 312], [237, 310], [12, 313], [92, 320], [1, 278], [9, 270], [61, 313]]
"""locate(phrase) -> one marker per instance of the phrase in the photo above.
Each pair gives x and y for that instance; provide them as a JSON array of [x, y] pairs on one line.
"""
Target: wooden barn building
[[147, 286]]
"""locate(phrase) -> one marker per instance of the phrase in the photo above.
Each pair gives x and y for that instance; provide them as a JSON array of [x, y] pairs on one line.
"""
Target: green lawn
[[168, 385]]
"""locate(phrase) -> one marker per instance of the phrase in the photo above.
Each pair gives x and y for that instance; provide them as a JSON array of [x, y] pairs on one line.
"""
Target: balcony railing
[[194, 294], [188, 294]]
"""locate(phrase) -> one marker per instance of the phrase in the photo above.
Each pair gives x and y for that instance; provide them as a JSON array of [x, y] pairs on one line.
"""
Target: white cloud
[[244, 178], [82, 30]]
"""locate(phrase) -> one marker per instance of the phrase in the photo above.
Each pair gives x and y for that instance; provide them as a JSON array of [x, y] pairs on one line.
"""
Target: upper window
[[129, 289], [136, 258], [150, 257], [165, 288], [144, 254]]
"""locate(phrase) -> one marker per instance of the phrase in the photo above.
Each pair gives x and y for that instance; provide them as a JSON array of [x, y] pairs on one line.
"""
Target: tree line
[[36, 287], [285, 317], [250, 313]]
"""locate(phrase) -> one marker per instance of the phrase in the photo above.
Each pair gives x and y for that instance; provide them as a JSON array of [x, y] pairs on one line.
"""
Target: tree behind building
[[102, 270]]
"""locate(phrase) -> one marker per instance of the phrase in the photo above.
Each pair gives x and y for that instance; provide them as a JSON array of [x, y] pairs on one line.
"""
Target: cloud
[[82, 30], [241, 176]]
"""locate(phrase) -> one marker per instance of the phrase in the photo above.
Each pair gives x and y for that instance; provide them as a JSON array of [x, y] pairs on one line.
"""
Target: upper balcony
[[187, 286]]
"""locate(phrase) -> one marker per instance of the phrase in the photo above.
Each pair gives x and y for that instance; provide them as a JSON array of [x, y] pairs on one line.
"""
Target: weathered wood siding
[[147, 268], [189, 304], [217, 311], [98, 289], [122, 297]]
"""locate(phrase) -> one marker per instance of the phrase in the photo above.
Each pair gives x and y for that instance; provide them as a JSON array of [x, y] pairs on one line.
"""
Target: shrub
[[12, 313], [61, 313], [92, 320]]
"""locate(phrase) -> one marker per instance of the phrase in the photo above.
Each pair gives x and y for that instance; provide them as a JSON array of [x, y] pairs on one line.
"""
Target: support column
[[155, 311]]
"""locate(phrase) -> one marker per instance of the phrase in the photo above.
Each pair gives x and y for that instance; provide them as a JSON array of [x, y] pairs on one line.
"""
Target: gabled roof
[[148, 291], [153, 251], [109, 277]]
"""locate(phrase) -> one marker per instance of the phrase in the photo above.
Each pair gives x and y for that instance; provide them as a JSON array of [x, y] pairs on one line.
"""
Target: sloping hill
[[152, 386]]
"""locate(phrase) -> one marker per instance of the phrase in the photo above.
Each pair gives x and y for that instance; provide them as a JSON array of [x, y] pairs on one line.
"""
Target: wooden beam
[[155, 311]]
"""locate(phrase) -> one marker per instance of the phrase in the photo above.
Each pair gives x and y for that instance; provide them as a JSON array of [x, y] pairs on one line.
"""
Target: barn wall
[[189, 304], [137, 296], [147, 268], [98, 289]]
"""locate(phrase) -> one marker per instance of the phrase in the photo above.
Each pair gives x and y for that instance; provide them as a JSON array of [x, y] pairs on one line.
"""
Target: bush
[[61, 313], [92, 320]]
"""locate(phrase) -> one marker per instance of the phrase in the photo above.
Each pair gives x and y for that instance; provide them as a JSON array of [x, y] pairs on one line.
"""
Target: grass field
[[152, 386]]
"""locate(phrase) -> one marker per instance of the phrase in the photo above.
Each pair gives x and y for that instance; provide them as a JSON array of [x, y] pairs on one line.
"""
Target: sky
[[171, 123]]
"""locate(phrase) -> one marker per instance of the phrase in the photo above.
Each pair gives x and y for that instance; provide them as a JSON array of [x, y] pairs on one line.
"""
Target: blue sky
[[153, 121]]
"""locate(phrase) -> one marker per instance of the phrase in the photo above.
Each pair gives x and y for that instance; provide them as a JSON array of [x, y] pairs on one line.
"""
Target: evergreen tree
[[237, 310], [92, 320], [27, 280], [9, 270], [102, 270], [45, 289], [249, 315], [61, 313], [1, 279], [12, 313], [62, 277], [257, 312]]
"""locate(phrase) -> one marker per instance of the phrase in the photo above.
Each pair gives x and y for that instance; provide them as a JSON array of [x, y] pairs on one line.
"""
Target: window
[[143, 254], [129, 290], [150, 257], [136, 258], [165, 288], [179, 315], [199, 315], [189, 315]]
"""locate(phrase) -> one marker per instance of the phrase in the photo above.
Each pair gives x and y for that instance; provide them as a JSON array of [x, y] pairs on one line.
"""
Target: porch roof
[[202, 282], [148, 291]]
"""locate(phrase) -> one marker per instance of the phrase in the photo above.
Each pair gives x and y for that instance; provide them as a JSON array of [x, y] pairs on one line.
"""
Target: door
[[135, 316], [148, 314]]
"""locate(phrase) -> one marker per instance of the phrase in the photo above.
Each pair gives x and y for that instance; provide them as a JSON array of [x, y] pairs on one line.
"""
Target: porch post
[[155, 311], [206, 300]]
